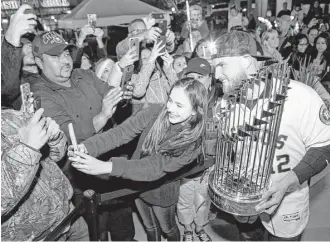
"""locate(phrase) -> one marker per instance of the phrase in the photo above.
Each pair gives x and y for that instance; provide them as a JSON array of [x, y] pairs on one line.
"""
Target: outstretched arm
[[121, 134], [149, 168]]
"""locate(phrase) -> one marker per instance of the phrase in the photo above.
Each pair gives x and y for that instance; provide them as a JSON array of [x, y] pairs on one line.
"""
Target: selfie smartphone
[[157, 16], [162, 39], [127, 75], [92, 20], [134, 43], [28, 2], [73, 137], [162, 24], [27, 106]]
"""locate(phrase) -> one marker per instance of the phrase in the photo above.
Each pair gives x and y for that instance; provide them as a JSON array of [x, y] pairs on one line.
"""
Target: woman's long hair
[[193, 129], [326, 37]]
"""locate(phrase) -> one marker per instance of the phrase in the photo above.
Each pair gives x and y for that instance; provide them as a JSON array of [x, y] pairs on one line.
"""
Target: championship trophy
[[248, 122]]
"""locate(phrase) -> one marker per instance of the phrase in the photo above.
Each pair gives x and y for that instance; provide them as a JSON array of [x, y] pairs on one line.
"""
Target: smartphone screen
[[27, 105], [127, 75], [162, 39], [158, 15], [134, 44], [163, 26]]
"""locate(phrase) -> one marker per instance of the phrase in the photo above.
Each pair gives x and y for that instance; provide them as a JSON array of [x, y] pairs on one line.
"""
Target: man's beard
[[234, 83]]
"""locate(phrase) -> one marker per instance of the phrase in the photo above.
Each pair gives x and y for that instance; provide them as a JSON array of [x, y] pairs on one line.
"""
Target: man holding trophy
[[273, 135]]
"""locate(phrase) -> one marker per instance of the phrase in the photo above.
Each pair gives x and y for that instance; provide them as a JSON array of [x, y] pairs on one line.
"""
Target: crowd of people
[[152, 126]]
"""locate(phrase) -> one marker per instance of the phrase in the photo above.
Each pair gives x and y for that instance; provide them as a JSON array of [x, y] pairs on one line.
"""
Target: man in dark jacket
[[77, 96], [314, 12], [11, 55]]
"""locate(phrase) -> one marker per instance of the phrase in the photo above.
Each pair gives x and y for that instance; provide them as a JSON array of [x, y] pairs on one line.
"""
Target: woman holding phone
[[171, 138]]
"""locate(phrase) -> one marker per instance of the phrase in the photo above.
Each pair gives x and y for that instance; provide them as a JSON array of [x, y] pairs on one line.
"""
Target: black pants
[[158, 220], [116, 218], [257, 232]]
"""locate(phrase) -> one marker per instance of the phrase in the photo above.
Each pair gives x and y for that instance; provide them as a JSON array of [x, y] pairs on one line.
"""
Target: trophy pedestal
[[238, 205]]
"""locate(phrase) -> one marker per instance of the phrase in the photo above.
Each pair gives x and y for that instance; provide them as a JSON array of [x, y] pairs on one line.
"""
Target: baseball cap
[[49, 43], [286, 18], [27, 38], [198, 65], [237, 43]]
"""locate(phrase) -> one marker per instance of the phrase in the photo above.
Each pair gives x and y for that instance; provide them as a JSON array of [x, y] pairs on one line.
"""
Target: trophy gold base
[[241, 206]]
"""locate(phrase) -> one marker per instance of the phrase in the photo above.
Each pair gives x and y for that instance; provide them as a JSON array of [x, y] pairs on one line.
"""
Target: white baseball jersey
[[305, 124]]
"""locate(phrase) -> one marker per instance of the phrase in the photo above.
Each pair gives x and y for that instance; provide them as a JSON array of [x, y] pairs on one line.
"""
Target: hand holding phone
[[127, 75], [162, 41], [162, 24], [134, 44], [92, 20]]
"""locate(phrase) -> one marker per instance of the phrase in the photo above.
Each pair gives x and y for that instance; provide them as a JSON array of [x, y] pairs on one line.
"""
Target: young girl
[[179, 63], [194, 202], [270, 43], [171, 139]]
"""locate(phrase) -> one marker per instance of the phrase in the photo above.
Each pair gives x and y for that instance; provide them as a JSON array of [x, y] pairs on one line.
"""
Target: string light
[[266, 22]]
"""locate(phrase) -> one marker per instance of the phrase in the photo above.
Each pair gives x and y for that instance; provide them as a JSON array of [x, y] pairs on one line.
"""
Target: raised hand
[[129, 58], [157, 50], [98, 33], [84, 32], [34, 134], [20, 24], [168, 60], [170, 37], [110, 101], [152, 34]]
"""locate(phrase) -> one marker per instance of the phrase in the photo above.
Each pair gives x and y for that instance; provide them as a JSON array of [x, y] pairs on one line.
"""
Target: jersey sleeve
[[315, 125]]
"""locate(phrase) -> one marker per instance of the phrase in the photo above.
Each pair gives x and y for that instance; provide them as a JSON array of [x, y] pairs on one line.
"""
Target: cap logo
[[202, 65], [51, 38]]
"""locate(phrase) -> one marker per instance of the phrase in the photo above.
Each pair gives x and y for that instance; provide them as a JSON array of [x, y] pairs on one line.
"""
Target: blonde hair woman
[[270, 43]]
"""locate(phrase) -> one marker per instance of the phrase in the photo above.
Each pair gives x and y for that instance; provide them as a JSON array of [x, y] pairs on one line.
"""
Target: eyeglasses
[[305, 44]]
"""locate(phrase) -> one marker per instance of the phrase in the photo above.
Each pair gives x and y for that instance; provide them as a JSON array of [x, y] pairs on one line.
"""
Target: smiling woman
[[170, 140]]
